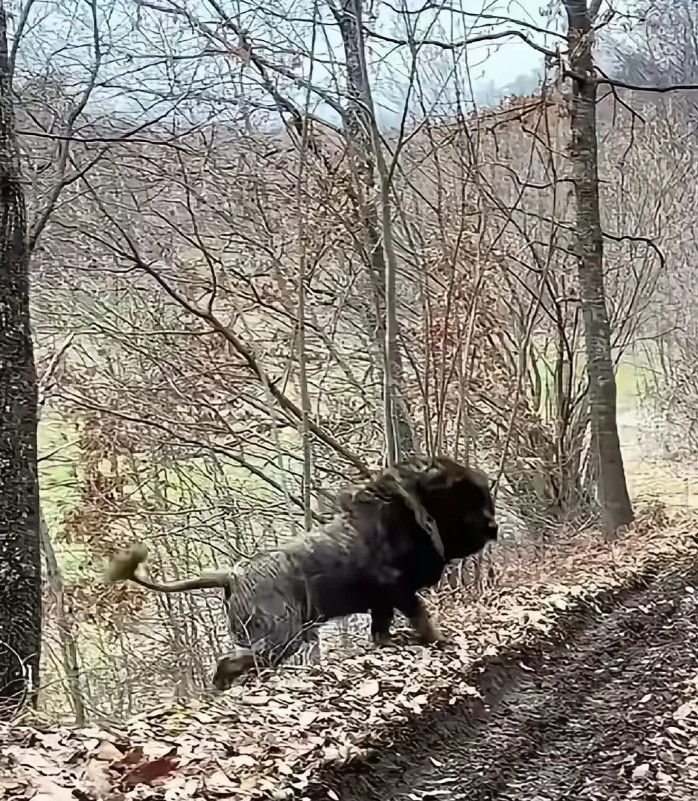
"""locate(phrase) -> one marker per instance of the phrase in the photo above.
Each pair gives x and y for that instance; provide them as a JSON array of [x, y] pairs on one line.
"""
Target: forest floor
[[611, 713], [575, 676]]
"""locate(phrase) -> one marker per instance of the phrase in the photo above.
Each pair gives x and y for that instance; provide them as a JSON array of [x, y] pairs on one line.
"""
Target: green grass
[[633, 376], [59, 455], [189, 484], [672, 484], [633, 380]]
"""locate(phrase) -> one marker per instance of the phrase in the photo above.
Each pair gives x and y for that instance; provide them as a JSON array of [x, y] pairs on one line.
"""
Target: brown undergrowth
[[291, 733]]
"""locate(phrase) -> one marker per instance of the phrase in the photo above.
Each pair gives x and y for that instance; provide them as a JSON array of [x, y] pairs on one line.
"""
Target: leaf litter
[[265, 737]]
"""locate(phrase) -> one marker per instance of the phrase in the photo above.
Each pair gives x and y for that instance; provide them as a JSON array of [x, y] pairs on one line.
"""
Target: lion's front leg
[[416, 612], [381, 618]]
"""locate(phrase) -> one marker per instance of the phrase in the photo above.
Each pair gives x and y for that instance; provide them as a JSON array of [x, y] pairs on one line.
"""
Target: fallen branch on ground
[[277, 734]]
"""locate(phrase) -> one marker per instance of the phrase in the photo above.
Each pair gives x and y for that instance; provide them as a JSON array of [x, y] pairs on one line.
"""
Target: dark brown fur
[[390, 539], [377, 553]]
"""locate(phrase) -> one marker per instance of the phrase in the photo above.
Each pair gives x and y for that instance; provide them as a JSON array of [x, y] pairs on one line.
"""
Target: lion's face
[[461, 503]]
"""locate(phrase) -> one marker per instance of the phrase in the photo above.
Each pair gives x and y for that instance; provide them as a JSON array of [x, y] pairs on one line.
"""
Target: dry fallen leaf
[[683, 711], [150, 772], [108, 752], [96, 776], [248, 783], [255, 700], [181, 789], [155, 749], [306, 718], [52, 740], [31, 758], [220, 782], [9, 783], [243, 761], [369, 688], [48, 790], [133, 757], [641, 771]]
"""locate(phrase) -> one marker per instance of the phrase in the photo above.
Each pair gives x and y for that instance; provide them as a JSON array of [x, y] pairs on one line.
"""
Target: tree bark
[[613, 490], [66, 628], [20, 548], [373, 201]]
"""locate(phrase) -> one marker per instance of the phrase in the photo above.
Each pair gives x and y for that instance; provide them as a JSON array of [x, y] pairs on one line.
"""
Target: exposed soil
[[611, 714]]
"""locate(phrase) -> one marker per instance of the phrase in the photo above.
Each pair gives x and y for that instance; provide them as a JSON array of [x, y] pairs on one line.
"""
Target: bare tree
[[659, 48], [613, 489], [262, 280], [20, 548]]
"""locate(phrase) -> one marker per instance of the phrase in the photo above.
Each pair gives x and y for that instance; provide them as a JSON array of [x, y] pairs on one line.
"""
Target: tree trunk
[[372, 199], [613, 490], [66, 628], [20, 549]]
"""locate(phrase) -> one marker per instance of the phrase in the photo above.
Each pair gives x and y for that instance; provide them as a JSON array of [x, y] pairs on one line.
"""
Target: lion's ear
[[442, 473]]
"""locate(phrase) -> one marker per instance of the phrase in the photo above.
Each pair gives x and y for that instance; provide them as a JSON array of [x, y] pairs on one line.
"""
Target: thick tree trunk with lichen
[[613, 490], [20, 550]]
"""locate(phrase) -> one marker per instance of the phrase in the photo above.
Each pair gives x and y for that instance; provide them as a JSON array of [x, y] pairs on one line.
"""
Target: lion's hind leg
[[231, 666]]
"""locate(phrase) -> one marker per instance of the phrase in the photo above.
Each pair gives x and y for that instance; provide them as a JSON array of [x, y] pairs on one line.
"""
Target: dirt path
[[611, 715]]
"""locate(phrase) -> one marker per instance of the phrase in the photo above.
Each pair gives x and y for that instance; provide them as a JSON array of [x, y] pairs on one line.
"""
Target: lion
[[391, 538]]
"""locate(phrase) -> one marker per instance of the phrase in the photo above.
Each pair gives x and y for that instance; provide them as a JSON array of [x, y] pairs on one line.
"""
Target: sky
[[147, 54]]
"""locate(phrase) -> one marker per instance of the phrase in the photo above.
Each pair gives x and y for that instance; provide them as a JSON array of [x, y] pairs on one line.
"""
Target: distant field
[[60, 459], [650, 474], [193, 483]]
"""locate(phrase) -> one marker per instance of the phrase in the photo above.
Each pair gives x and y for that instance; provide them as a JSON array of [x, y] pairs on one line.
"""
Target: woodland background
[[208, 302]]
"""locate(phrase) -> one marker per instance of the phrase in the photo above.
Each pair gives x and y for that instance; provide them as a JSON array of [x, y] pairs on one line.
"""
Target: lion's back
[[288, 587]]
